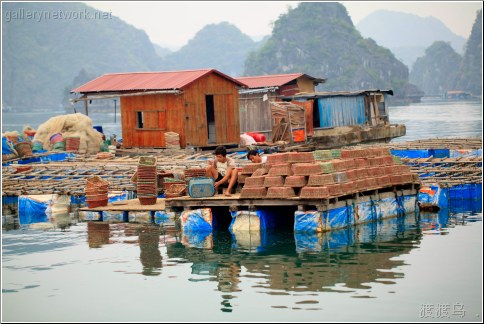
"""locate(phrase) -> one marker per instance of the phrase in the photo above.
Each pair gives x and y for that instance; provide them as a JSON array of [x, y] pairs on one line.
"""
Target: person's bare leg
[[233, 179], [211, 172]]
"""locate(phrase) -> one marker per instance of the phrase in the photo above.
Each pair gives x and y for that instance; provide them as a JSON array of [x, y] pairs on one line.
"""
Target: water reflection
[[283, 262], [146, 235]]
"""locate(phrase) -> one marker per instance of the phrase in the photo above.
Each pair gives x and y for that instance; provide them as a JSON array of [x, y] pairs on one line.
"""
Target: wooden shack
[[254, 102], [199, 105]]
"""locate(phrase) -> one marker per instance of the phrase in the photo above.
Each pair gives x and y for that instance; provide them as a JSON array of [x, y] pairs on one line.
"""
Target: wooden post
[[86, 105]]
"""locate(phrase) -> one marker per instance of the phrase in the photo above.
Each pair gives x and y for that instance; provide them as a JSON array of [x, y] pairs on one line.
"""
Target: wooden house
[[254, 102], [199, 105]]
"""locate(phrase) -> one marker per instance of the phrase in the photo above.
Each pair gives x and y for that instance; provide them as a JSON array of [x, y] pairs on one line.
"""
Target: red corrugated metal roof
[[274, 80], [114, 82], [263, 81]]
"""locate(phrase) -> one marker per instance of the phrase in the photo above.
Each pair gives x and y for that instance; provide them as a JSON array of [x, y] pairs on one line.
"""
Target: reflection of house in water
[[352, 256], [146, 235]]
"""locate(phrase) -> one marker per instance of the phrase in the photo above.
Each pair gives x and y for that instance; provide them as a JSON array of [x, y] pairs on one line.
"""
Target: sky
[[173, 23]]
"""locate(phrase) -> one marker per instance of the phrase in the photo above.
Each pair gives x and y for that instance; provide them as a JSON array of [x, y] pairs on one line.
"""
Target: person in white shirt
[[223, 170], [254, 157]]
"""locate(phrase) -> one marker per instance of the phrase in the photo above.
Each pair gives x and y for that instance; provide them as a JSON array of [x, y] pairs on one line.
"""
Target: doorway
[[211, 134]]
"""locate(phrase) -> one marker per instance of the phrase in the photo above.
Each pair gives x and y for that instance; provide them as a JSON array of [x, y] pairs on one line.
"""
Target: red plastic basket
[[147, 201]]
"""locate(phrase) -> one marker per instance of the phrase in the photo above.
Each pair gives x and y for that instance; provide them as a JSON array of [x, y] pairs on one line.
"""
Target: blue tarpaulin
[[5, 146], [307, 221], [31, 211], [198, 220]]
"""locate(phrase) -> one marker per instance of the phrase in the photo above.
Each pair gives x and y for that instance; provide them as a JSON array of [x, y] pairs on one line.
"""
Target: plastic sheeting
[[162, 217], [197, 239], [85, 215], [307, 221], [465, 153], [334, 218], [31, 210], [140, 217], [120, 216], [350, 212], [6, 149], [466, 191], [341, 111], [434, 195], [198, 220], [81, 200]]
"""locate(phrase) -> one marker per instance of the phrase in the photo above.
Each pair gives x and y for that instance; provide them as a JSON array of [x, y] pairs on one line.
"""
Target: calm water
[[425, 267], [439, 119], [396, 270]]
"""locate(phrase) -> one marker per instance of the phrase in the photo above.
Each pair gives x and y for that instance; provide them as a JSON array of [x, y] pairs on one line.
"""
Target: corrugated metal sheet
[[341, 111], [275, 80], [115, 82]]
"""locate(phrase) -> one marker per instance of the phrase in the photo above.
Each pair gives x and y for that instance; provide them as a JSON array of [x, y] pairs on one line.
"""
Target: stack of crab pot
[[147, 182], [96, 192]]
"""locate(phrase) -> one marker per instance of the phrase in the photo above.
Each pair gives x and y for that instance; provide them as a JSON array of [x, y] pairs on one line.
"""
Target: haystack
[[70, 125]]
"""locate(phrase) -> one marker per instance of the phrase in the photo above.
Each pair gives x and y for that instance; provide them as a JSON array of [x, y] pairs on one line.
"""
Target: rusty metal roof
[[115, 82], [274, 80]]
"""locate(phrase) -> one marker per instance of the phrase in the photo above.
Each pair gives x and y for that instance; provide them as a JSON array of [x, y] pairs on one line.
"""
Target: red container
[[258, 137]]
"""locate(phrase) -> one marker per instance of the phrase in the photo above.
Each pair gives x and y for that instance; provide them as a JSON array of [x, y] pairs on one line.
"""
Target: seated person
[[254, 157], [223, 170]]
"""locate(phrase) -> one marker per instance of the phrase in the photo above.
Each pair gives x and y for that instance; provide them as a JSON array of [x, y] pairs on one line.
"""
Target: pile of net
[[77, 125]]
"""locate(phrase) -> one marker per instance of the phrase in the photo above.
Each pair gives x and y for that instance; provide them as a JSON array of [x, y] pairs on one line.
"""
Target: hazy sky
[[173, 24]]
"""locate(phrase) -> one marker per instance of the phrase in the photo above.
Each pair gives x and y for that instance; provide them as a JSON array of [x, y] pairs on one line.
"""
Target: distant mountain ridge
[[41, 58], [43, 61], [221, 46], [441, 69], [407, 35], [319, 39]]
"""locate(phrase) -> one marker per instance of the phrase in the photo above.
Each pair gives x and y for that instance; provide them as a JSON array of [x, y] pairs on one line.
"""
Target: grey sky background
[[173, 23]]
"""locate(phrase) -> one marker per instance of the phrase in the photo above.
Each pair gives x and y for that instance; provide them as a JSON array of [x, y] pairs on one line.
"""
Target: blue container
[[201, 187]]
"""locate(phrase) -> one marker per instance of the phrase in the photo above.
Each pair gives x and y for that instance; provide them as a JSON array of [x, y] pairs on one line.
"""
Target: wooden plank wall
[[305, 85], [226, 108], [255, 114], [162, 113]]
